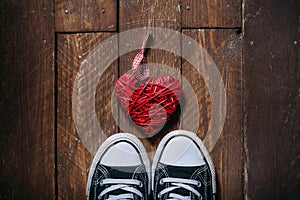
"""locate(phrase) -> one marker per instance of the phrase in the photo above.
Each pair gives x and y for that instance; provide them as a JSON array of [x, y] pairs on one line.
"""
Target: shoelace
[[179, 183], [121, 184]]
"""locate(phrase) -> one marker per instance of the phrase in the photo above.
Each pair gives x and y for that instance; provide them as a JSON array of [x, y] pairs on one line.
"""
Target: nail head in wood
[[66, 11]]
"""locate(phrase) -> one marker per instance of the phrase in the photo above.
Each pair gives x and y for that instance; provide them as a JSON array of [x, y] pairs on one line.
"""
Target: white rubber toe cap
[[121, 154], [182, 151]]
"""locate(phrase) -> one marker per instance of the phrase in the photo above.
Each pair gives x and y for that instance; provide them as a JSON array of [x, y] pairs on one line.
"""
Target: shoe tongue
[[181, 172], [184, 173], [123, 172]]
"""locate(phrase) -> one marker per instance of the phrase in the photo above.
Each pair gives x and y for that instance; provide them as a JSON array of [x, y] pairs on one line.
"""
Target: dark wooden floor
[[254, 44]]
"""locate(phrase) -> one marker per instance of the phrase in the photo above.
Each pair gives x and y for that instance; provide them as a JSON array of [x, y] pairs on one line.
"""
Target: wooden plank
[[162, 14], [27, 100], [140, 14], [85, 15], [211, 14], [224, 47], [74, 153], [271, 64], [148, 13]]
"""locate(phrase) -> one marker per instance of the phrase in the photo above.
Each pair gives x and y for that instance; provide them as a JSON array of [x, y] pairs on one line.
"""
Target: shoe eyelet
[[141, 184], [158, 196], [161, 181], [200, 198], [199, 184], [101, 183]]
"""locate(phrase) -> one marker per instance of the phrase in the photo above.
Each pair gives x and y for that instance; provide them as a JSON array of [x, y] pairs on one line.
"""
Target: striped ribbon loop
[[140, 59]]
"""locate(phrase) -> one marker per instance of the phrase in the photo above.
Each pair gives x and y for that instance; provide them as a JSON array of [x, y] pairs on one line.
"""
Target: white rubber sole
[[199, 143], [107, 144]]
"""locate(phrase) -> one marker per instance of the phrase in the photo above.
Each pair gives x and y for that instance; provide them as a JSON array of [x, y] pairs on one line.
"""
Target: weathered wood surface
[[224, 47], [74, 153], [27, 116], [211, 14], [262, 94], [140, 14], [148, 13], [272, 109], [85, 15]]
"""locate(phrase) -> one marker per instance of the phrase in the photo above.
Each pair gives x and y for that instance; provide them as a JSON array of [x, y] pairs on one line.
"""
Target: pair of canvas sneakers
[[181, 169]]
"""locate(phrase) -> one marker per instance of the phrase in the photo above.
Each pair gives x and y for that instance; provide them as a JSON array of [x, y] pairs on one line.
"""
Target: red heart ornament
[[149, 102]]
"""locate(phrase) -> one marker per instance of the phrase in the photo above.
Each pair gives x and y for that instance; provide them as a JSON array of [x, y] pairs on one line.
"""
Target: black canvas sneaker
[[182, 168], [120, 170]]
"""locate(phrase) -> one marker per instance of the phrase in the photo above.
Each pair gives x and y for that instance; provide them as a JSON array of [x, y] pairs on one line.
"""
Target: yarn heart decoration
[[150, 103]]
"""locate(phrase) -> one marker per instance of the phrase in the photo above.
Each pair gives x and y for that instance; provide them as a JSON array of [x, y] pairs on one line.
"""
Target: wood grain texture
[[224, 47], [272, 74], [263, 108], [211, 14], [27, 100], [75, 154], [149, 13], [143, 14], [163, 14], [85, 15]]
